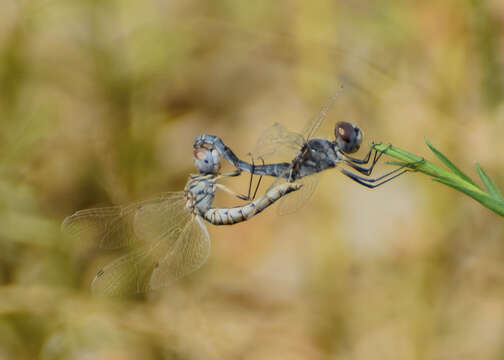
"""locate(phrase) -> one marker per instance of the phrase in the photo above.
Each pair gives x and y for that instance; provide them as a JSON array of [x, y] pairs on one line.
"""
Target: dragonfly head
[[207, 159], [348, 137]]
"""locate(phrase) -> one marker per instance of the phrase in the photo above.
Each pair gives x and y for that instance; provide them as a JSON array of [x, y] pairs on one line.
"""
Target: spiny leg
[[231, 192], [364, 161], [247, 198], [258, 182], [361, 180], [251, 176], [234, 173], [369, 183], [363, 170], [238, 172]]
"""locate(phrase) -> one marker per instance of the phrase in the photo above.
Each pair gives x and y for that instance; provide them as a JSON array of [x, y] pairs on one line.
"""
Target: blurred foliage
[[100, 102]]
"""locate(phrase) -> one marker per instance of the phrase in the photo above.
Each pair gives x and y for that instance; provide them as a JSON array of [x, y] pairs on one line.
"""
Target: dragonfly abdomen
[[275, 170], [229, 216]]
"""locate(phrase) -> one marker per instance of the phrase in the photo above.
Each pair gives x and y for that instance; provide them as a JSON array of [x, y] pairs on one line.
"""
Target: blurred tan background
[[100, 102]]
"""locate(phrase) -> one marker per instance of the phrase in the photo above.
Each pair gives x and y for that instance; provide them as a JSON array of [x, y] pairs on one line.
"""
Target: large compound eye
[[199, 154], [207, 161], [344, 131], [348, 137]]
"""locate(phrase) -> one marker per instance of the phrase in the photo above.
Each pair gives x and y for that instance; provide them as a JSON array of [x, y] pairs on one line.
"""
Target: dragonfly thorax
[[200, 193], [316, 155]]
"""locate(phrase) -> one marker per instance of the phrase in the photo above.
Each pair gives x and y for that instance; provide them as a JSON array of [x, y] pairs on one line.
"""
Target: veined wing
[[292, 202], [314, 124], [125, 276], [159, 217], [278, 141], [118, 226], [133, 272], [190, 251]]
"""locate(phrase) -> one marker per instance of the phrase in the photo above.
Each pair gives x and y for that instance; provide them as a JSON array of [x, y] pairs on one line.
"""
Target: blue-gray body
[[200, 194], [313, 157]]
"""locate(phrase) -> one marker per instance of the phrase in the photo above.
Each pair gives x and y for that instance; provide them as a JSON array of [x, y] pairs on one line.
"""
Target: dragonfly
[[310, 156], [169, 229]]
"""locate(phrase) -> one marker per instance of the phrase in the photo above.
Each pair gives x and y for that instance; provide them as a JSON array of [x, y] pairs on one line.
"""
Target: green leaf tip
[[449, 164], [489, 184], [484, 199]]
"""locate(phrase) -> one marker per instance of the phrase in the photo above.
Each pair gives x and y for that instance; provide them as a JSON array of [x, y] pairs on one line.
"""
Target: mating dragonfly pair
[[168, 231]]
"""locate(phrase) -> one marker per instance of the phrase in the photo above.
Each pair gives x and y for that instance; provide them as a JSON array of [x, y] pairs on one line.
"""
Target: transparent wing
[[278, 141], [275, 140], [294, 201], [314, 124], [187, 255], [132, 272], [159, 217], [125, 276], [119, 226]]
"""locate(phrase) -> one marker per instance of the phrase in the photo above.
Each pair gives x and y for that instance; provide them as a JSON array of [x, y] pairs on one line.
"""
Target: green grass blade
[[489, 184], [449, 164], [483, 198], [423, 165], [396, 163], [452, 176]]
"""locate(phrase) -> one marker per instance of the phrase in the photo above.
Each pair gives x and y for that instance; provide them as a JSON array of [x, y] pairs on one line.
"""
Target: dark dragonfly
[[310, 156]]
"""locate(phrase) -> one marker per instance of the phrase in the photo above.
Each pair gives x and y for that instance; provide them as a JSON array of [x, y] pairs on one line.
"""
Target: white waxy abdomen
[[228, 216]]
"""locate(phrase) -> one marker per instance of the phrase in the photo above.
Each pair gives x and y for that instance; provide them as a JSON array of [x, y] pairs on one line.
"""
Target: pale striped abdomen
[[229, 216]]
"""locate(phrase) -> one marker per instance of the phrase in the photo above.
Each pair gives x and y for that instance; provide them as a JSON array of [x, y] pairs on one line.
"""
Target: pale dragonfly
[[309, 156], [169, 229]]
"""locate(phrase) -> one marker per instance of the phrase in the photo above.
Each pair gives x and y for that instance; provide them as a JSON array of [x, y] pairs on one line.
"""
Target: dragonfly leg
[[251, 178], [259, 181], [231, 192], [362, 161], [375, 182], [237, 172], [366, 159], [363, 170]]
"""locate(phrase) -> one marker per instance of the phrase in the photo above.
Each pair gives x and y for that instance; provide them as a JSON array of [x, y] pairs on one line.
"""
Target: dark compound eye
[[348, 137], [344, 131]]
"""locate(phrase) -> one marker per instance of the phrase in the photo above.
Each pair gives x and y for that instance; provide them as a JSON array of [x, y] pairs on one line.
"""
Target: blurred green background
[[100, 102]]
